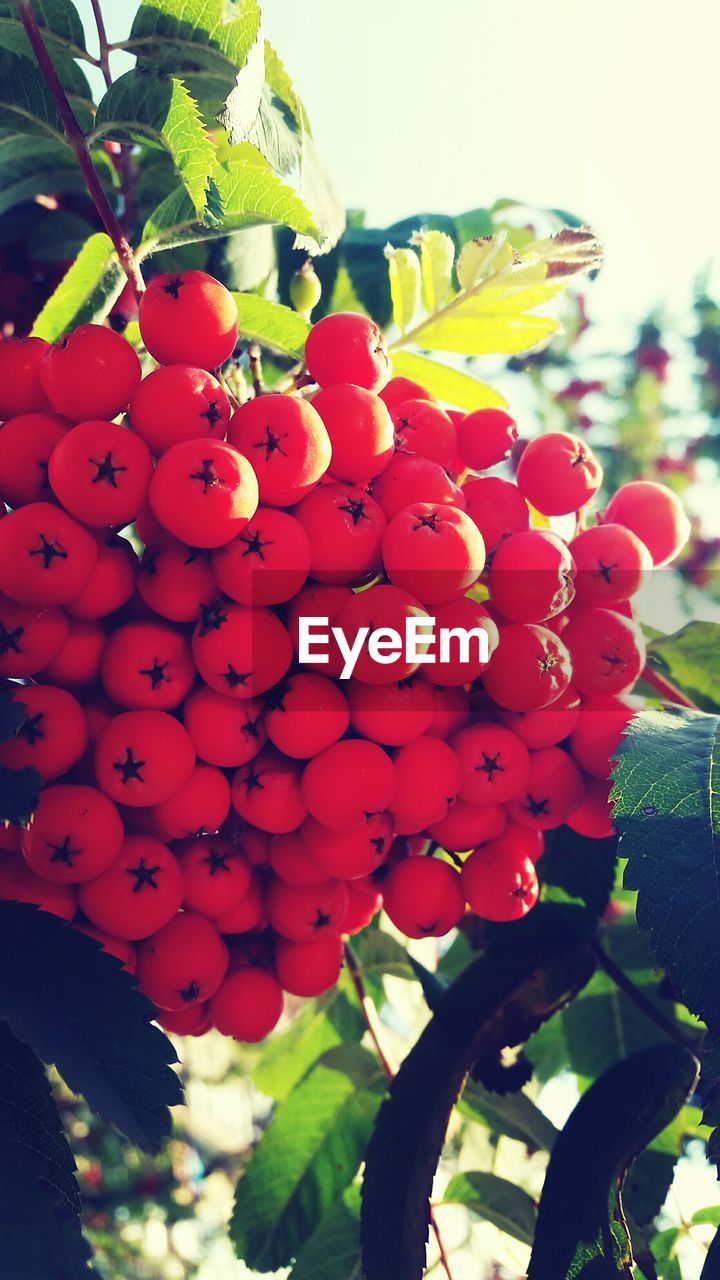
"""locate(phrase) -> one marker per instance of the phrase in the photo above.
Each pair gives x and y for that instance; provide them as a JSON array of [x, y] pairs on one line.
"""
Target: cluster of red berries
[[217, 813]]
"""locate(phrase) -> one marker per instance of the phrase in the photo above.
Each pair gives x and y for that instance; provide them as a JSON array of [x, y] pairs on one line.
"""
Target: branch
[[638, 997], [668, 691], [369, 1013], [78, 144]]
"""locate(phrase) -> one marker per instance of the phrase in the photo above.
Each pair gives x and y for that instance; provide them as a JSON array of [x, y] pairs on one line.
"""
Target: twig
[[255, 369], [78, 144], [625, 984], [126, 166], [668, 691], [369, 1013]]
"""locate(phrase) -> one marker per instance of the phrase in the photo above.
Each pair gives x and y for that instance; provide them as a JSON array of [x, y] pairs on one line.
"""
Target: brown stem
[[668, 691], [78, 144], [638, 997], [255, 369], [369, 1013]]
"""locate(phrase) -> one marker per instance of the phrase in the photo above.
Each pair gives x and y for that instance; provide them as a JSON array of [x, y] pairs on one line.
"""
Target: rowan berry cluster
[[216, 813]]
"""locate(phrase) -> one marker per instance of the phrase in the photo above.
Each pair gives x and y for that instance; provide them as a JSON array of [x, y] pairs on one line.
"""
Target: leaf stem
[[370, 1015], [668, 691], [78, 144], [638, 997]]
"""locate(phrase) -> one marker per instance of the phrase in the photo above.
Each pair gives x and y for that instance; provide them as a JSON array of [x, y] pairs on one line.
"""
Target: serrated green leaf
[[437, 254], [86, 291], [195, 40], [282, 86], [26, 104], [472, 335], [272, 325], [39, 1236], [581, 867], [451, 386], [64, 37], [496, 1200], [35, 166], [580, 1230], [274, 132], [404, 272], [318, 192], [142, 107], [478, 258], [689, 657], [330, 1020], [512, 1114], [307, 1156], [250, 193], [82, 1013], [332, 1252]]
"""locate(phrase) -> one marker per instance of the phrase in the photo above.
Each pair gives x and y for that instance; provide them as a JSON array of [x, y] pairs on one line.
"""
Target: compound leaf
[[404, 273], [332, 1252], [496, 1200], [449, 385]]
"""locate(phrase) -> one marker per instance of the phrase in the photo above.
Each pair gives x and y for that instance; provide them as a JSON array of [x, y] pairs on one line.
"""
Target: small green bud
[[305, 289]]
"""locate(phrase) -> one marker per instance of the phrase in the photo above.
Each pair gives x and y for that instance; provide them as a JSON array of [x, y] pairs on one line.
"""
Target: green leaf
[[39, 1236], [332, 1252], [309, 1153], [451, 386], [272, 325], [274, 131], [63, 34], [249, 193], [144, 107], [479, 257], [513, 1114], [329, 1021], [404, 273], [35, 166], [496, 1200], [580, 1229], [282, 86], [437, 254], [29, 1117], [583, 868], [85, 293], [498, 1001], [192, 40], [76, 1007], [689, 658], [666, 794], [472, 335], [318, 192], [26, 104]]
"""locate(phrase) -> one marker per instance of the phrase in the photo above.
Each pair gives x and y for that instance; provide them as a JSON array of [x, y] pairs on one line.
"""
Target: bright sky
[[606, 110]]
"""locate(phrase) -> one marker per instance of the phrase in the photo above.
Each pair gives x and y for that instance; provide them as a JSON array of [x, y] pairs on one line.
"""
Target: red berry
[[607, 651], [381, 609], [175, 580], [495, 763], [451, 711], [249, 914], [30, 637], [558, 473], [424, 428], [178, 403], [26, 443], [183, 963], [138, 894], [485, 438], [434, 552], [497, 507], [46, 557], [148, 665], [188, 318], [400, 389], [467, 825], [307, 714], [346, 347], [292, 863], [304, 912], [266, 793], [601, 724], [223, 730], [309, 968], [345, 527], [547, 727], [553, 790], [360, 430], [112, 581], [19, 884], [143, 758], [408, 475], [348, 855], [287, 444], [391, 714], [267, 563], [215, 873], [203, 492], [532, 576], [654, 514], [78, 661], [422, 897], [100, 471], [90, 373], [364, 902], [499, 883], [247, 1005], [53, 736], [76, 834], [428, 777], [202, 805], [240, 651], [348, 782], [529, 669], [467, 615], [20, 387], [317, 601], [593, 816], [193, 1021], [610, 564]]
